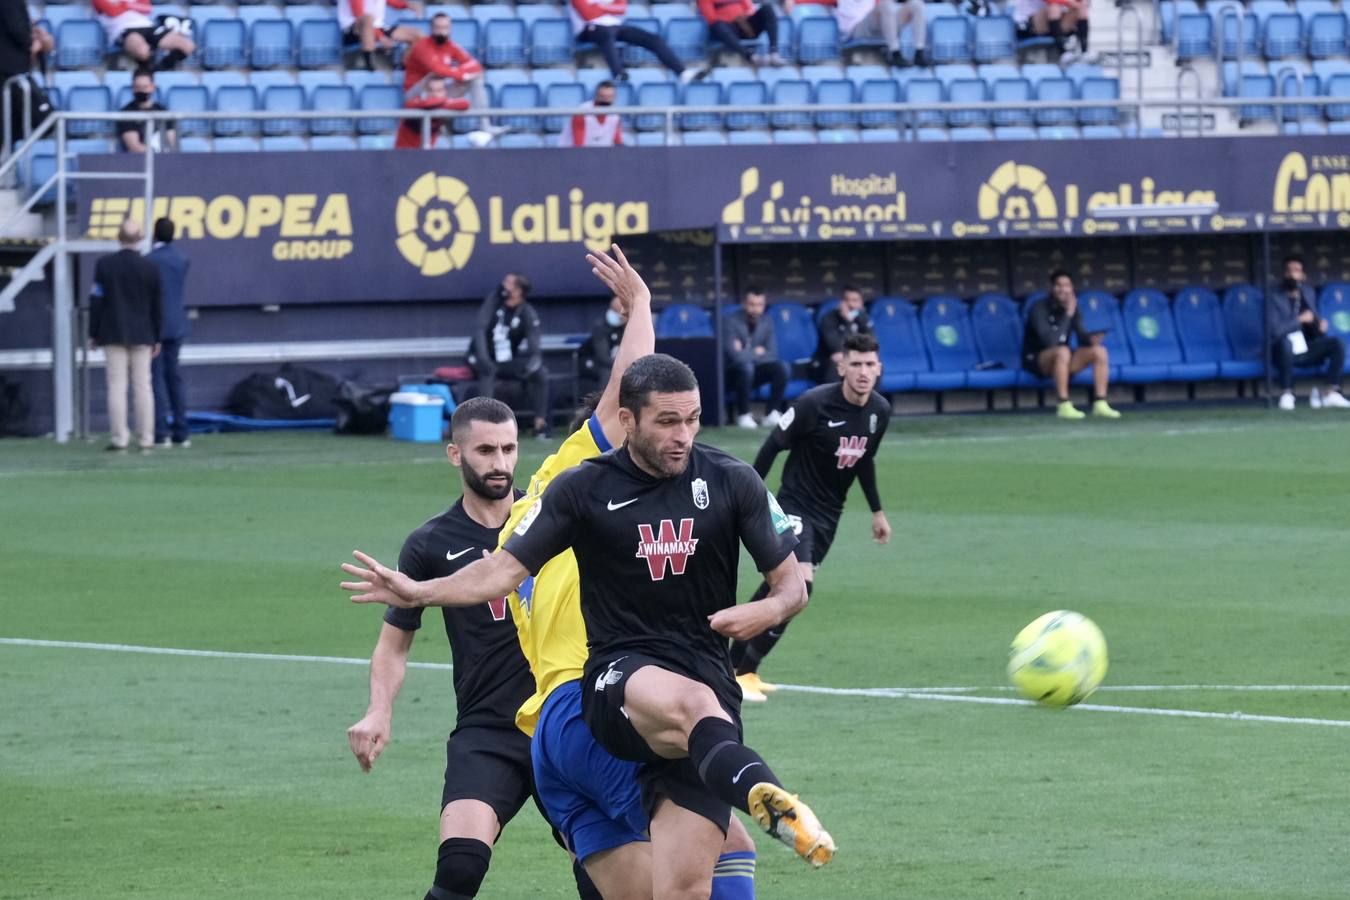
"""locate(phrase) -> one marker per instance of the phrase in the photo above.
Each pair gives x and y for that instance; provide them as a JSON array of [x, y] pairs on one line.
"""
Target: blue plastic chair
[[997, 326], [332, 97], [949, 40], [224, 44], [1199, 320], [1055, 89], [927, 91], [1327, 35], [687, 38], [1195, 36], [1101, 312], [659, 94], [1016, 91], [189, 98], [1282, 36], [88, 99], [995, 39], [817, 39], [950, 343], [551, 42], [684, 320], [1334, 305], [235, 98], [379, 96], [272, 44], [791, 93], [967, 90], [1244, 324], [79, 44], [879, 91], [561, 96], [903, 356], [1153, 338], [1099, 89], [283, 98], [504, 42], [747, 93], [318, 44], [701, 93], [835, 90]]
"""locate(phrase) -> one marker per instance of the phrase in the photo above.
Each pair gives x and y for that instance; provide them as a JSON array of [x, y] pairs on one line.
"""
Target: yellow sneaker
[[790, 820], [752, 681], [749, 692], [1067, 410], [1102, 410]]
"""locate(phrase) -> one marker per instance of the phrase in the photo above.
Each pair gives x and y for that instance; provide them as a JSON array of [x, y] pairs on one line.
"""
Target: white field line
[[1143, 688], [938, 694]]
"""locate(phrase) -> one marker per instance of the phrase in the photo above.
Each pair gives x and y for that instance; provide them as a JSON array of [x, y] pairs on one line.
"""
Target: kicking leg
[[468, 828]]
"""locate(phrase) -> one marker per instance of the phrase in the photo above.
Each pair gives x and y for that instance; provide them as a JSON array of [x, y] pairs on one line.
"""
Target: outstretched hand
[[620, 277], [378, 584]]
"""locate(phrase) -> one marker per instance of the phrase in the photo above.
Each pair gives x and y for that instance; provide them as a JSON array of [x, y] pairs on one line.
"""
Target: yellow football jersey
[[547, 607]]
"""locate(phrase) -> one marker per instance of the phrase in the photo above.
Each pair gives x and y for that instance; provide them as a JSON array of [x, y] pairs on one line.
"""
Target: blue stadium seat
[[380, 96], [701, 93], [79, 44], [926, 91], [88, 99], [561, 96], [997, 326], [1099, 89], [251, 15], [879, 91], [370, 142], [236, 145], [272, 44], [520, 141], [283, 98], [903, 356], [332, 142], [1257, 86], [224, 44], [687, 38], [334, 97], [1282, 36], [794, 329], [1200, 328], [189, 98], [970, 133], [747, 93], [750, 136], [949, 40], [684, 320], [967, 90], [297, 14], [1055, 89], [704, 139], [1014, 133], [551, 42], [794, 136], [632, 54], [995, 39], [504, 43], [319, 43], [1153, 338], [194, 145], [1195, 36], [817, 39], [467, 33], [1338, 86], [1014, 91], [286, 143], [1101, 312], [663, 93], [1327, 35], [519, 96], [836, 136], [1229, 18], [484, 12], [791, 93], [950, 343], [835, 90], [1169, 13], [1244, 323], [1333, 304], [235, 98]]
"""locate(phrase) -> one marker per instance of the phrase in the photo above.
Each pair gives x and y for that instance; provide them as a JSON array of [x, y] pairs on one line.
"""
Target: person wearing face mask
[[836, 326], [594, 130], [597, 356], [132, 133], [506, 345], [438, 55], [432, 96]]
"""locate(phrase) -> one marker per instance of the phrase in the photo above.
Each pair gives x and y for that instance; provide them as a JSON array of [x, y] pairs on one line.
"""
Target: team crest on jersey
[[666, 547], [786, 419], [872, 424], [700, 488], [528, 519], [851, 449]]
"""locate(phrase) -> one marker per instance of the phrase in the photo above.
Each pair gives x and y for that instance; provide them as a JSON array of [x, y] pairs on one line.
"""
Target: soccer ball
[[1059, 659]]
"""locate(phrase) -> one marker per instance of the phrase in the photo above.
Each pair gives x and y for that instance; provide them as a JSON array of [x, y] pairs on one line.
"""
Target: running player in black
[[831, 434], [488, 769], [656, 527]]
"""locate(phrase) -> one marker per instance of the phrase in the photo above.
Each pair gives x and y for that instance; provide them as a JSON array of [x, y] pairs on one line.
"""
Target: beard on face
[[478, 484], [646, 451]]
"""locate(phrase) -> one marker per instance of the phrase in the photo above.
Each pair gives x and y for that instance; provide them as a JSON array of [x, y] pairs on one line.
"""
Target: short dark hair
[[604, 84], [754, 289], [522, 282], [584, 411], [861, 343], [654, 373], [478, 409], [440, 15], [147, 71], [164, 230], [850, 288], [1057, 275], [1291, 258]]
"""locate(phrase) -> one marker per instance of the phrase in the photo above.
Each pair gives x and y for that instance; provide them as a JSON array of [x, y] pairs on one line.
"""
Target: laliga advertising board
[[409, 225]]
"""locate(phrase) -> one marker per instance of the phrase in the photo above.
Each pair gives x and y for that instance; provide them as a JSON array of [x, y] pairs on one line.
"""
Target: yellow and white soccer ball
[[1059, 659]]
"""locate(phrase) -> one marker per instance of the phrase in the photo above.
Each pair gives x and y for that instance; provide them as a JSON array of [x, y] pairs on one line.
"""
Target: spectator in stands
[[1046, 352], [362, 22], [1065, 21], [16, 41], [601, 347], [594, 129], [600, 22], [751, 352], [861, 20], [432, 94], [1301, 339], [733, 21], [124, 319], [22, 45], [132, 132], [129, 26], [506, 344], [173, 330], [43, 46], [437, 55], [836, 326]]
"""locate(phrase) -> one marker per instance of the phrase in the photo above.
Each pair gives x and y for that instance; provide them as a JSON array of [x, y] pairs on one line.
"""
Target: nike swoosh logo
[[742, 772], [611, 505], [449, 555], [837, 424]]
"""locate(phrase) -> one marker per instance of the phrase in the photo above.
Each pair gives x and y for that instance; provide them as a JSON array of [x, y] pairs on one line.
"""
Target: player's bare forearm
[[787, 589], [481, 581], [639, 335], [388, 665]]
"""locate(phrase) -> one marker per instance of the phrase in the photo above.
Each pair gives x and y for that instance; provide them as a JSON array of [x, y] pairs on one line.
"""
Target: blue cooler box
[[415, 417]]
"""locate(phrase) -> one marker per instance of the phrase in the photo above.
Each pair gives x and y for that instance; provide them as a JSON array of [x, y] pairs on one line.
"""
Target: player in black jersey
[[831, 434], [488, 770], [656, 527]]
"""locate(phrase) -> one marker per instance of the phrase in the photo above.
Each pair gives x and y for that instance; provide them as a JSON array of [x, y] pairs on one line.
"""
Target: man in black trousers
[[168, 379]]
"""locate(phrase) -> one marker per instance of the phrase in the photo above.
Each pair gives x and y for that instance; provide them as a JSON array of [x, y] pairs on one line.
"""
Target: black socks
[[460, 867], [725, 765]]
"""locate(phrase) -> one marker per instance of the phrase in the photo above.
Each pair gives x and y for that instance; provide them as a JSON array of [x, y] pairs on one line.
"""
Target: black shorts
[[602, 708], [815, 534], [150, 33], [352, 36], [489, 764]]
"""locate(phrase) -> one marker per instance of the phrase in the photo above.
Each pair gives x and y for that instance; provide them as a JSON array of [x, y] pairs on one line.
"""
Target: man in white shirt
[[596, 130], [861, 20]]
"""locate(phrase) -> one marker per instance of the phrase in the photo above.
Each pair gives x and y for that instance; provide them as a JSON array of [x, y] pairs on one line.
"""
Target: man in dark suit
[[836, 326], [16, 40], [124, 319], [506, 346], [750, 348], [168, 380], [597, 354]]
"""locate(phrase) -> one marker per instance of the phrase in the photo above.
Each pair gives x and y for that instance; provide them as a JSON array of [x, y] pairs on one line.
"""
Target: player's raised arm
[[487, 579], [639, 336]]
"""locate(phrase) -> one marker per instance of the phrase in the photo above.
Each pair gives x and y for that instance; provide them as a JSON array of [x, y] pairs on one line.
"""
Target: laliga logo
[[437, 224], [1007, 192]]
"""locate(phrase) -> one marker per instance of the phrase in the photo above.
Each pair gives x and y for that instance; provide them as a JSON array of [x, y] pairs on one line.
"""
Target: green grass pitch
[[1211, 547]]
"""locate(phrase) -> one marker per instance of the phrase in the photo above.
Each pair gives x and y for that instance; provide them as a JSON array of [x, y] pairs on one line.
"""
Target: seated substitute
[[362, 22], [131, 134], [594, 129], [733, 21], [1046, 352], [433, 95], [599, 351], [600, 22], [1300, 338], [861, 20], [836, 326], [751, 351], [130, 28], [506, 344]]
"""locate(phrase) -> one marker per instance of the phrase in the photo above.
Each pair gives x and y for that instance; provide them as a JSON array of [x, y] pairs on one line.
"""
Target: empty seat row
[[1267, 28]]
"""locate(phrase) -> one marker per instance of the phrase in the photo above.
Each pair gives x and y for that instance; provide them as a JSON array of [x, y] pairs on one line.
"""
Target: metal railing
[[1122, 14]]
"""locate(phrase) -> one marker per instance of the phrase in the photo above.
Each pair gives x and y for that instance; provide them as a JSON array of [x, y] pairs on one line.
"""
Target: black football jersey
[[826, 438], [491, 676], [657, 556]]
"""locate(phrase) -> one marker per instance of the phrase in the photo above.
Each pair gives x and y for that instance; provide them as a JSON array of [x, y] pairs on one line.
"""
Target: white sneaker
[[1072, 51], [1315, 399], [1335, 400], [1287, 400], [691, 75], [745, 420], [772, 419]]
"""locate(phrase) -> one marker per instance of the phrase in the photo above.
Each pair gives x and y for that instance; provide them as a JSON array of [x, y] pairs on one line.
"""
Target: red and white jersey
[[349, 11], [592, 131], [117, 16], [596, 12]]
